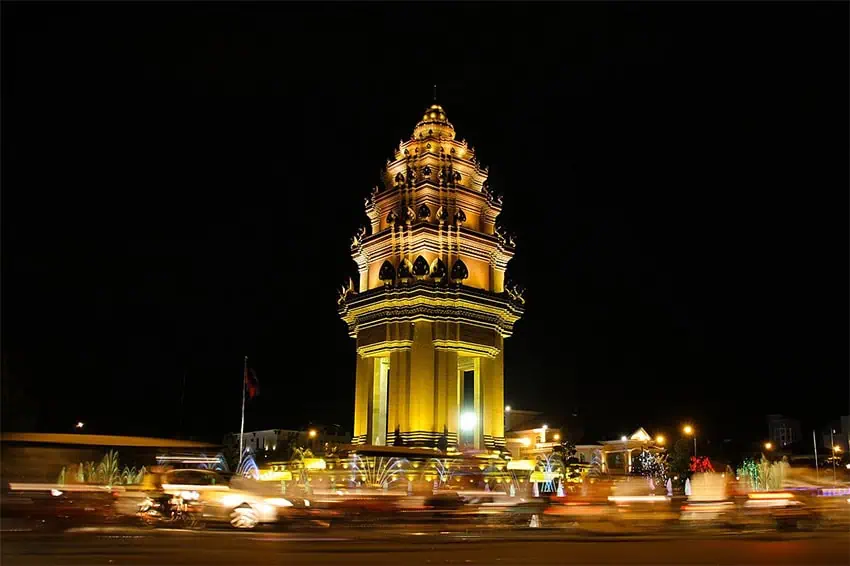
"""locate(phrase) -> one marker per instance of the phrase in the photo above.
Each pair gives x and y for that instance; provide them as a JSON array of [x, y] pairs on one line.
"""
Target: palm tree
[[130, 475], [299, 455], [108, 471], [89, 472]]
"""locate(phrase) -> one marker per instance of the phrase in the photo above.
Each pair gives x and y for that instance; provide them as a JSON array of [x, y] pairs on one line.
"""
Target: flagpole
[[242, 427], [832, 443], [815, 444], [182, 397]]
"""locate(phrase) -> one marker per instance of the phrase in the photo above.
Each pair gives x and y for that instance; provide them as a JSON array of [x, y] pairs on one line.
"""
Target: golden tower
[[432, 308]]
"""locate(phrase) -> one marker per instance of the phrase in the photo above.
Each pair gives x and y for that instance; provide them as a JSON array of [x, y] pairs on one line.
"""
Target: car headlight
[[279, 502], [306, 503]]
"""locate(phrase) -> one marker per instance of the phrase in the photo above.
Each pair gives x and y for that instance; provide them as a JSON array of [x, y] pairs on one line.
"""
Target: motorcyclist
[[153, 489]]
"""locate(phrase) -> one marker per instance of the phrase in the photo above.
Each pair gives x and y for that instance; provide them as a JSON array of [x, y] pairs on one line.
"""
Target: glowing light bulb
[[467, 421]]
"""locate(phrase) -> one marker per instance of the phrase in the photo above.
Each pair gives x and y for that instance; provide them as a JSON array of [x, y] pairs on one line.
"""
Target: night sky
[[180, 183]]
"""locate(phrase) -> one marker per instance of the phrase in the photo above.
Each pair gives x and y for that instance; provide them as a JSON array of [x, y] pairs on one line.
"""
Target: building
[[536, 439], [278, 443], [783, 430], [617, 455], [432, 306]]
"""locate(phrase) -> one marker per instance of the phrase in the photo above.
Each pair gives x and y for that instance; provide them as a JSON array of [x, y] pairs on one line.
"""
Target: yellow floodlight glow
[[540, 477], [523, 465], [557, 437], [768, 446], [314, 464], [688, 429], [778, 495], [312, 433], [276, 476], [467, 421], [660, 440], [637, 498]]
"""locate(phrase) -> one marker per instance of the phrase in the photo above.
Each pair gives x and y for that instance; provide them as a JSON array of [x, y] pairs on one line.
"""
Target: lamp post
[[689, 431], [832, 443]]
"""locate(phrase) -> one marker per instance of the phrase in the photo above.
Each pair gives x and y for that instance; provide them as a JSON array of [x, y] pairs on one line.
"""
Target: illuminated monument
[[432, 308]]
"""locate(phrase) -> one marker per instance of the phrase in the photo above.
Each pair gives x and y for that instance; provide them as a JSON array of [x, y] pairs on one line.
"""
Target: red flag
[[252, 384]]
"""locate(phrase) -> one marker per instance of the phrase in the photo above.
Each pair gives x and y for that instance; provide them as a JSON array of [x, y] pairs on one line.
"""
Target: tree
[[301, 454], [131, 476], [700, 465], [650, 465], [289, 444], [566, 453], [680, 458], [108, 471]]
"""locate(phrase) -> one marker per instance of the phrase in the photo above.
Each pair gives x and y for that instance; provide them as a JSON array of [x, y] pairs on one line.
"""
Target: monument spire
[[430, 322]]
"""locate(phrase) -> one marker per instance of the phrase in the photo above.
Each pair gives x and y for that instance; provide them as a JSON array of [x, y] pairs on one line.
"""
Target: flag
[[252, 384]]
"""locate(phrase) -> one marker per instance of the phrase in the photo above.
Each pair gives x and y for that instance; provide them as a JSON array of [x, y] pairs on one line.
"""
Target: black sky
[[180, 182]]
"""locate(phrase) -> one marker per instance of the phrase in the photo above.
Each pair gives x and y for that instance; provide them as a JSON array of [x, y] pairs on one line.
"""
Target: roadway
[[371, 547]]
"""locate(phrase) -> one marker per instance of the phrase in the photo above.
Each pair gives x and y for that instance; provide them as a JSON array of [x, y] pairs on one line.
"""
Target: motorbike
[[178, 511]]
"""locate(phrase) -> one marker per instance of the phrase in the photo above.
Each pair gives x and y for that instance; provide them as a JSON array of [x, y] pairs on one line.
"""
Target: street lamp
[[312, 433], [507, 408], [689, 431], [660, 440], [834, 450], [79, 425], [768, 446]]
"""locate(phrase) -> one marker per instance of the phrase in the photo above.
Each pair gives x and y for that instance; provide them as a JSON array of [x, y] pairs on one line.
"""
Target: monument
[[432, 307]]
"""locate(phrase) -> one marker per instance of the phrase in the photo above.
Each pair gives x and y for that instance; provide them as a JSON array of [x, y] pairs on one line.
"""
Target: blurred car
[[52, 508], [241, 502]]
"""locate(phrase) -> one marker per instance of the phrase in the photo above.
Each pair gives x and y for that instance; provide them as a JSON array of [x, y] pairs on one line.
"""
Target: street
[[137, 546]]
